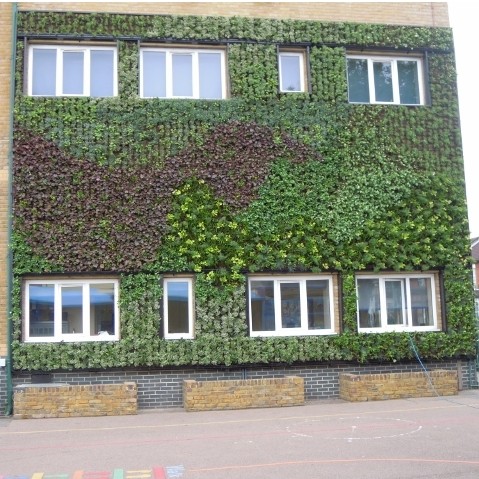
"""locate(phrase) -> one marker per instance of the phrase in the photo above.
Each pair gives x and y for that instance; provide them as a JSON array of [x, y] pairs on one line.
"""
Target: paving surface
[[406, 438]]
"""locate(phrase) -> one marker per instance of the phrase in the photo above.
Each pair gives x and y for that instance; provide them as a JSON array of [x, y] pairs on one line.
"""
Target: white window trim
[[406, 307], [60, 49], [303, 330], [302, 79], [70, 337], [194, 52], [394, 71], [190, 333]]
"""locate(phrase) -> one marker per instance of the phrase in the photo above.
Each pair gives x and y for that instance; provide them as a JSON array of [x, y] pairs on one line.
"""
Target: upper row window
[[69, 70], [72, 70], [182, 73], [385, 80]]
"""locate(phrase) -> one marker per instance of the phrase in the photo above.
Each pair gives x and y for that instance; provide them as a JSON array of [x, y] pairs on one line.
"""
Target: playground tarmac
[[405, 438]]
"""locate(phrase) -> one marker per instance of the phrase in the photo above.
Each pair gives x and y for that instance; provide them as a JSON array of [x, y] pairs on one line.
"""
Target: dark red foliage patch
[[86, 217]]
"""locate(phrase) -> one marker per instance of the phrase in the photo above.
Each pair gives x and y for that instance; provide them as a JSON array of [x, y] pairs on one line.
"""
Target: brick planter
[[63, 400], [372, 387], [243, 394]]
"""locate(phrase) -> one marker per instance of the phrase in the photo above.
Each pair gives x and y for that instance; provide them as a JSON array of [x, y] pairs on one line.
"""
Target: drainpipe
[[9, 407]]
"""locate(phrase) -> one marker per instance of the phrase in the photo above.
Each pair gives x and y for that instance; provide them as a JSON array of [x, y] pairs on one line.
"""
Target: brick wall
[[243, 394], [6, 28], [374, 387], [399, 13], [163, 388], [63, 400]]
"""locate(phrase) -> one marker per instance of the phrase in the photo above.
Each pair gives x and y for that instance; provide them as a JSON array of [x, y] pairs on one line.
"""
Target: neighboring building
[[226, 190]]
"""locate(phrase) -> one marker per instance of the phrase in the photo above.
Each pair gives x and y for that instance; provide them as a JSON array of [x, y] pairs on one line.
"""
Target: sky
[[464, 20]]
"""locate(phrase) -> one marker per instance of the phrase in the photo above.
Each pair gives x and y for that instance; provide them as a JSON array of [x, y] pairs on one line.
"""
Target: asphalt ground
[[406, 438]]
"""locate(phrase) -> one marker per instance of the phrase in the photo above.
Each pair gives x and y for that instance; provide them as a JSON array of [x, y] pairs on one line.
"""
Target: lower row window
[[397, 302], [71, 310], [286, 305], [291, 306]]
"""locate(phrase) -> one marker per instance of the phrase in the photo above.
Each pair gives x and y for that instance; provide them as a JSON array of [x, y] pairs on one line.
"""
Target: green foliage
[[259, 182]]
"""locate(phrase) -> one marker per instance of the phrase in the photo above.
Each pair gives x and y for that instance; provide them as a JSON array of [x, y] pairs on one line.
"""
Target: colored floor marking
[[118, 474], [159, 473], [138, 474]]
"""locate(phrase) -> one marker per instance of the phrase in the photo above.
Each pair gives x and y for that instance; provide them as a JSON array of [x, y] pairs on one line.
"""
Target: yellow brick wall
[[243, 394], [6, 26], [34, 402], [373, 387], [400, 13]]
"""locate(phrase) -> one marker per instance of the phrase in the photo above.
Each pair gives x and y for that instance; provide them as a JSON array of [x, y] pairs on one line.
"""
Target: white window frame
[[302, 69], [303, 329], [190, 333], [394, 72], [57, 321], [406, 300], [64, 48], [194, 52]]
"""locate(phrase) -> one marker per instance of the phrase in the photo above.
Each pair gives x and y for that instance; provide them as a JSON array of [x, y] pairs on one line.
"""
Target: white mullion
[[303, 305], [223, 73], [59, 72], [278, 324], [195, 74], [372, 86], [404, 284], [421, 81], [86, 309], [395, 80], [86, 71], [57, 311], [169, 73], [408, 303], [382, 303]]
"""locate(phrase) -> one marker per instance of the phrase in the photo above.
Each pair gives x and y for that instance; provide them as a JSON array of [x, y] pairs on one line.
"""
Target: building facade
[[218, 190]]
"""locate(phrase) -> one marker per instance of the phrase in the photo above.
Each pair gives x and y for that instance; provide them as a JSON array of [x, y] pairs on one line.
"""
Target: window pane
[[44, 69], [290, 72], [395, 301], [383, 85], [318, 304], [262, 306], [178, 307], [102, 309], [210, 75], [42, 302], [72, 309], [154, 74], [73, 73], [182, 75], [358, 84], [408, 82], [421, 302], [290, 305], [369, 305], [101, 73]]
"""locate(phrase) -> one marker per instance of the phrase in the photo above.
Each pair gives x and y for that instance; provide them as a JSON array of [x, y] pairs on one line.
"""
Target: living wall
[[259, 182]]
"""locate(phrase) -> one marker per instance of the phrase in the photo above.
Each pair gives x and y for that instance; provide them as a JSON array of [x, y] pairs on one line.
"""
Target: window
[[71, 310], [387, 80], [71, 70], [291, 72], [290, 305], [178, 308], [182, 73], [397, 302]]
